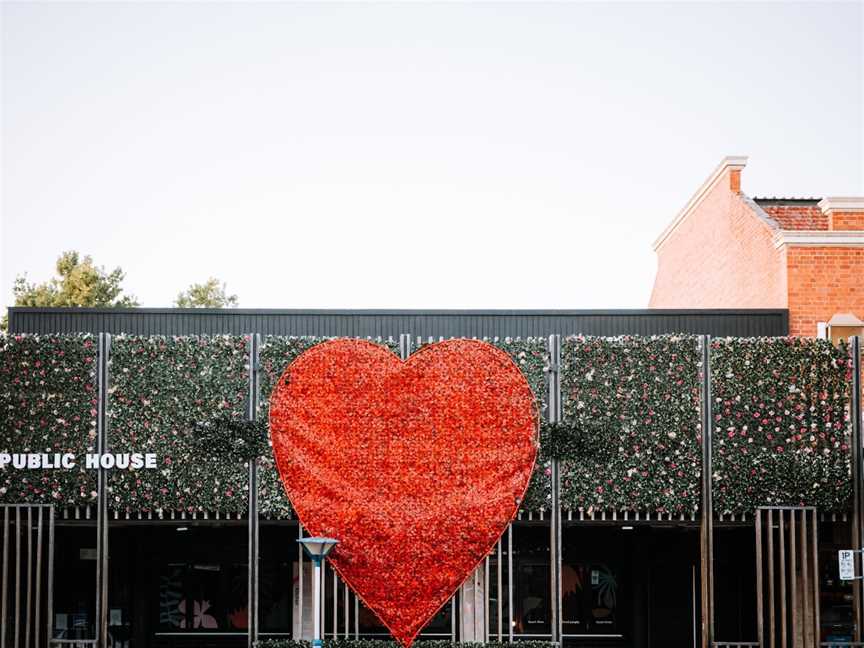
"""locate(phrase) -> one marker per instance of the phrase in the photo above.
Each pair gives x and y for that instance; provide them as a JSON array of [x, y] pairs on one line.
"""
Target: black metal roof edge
[[409, 312], [786, 201]]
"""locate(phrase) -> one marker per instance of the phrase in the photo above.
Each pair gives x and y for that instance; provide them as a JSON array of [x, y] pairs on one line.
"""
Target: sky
[[407, 155]]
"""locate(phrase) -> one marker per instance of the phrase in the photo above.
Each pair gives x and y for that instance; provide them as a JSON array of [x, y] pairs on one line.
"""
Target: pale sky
[[407, 155]]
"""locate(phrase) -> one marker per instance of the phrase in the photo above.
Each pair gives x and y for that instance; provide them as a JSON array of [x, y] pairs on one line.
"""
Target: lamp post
[[317, 549]]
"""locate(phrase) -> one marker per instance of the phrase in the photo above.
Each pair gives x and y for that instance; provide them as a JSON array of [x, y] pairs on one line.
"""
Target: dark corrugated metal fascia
[[408, 311], [434, 323]]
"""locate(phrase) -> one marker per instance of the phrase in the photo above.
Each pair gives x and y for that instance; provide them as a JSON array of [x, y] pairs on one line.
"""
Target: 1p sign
[[847, 564]]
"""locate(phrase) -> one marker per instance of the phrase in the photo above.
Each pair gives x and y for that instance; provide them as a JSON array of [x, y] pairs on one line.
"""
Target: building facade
[[611, 549], [728, 250]]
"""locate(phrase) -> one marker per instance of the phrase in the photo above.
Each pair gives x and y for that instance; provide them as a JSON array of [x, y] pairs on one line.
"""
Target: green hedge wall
[[631, 406], [48, 405], [161, 390], [630, 439], [781, 423]]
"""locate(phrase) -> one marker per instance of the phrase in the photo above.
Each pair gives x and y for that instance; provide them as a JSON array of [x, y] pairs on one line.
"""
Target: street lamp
[[317, 549]]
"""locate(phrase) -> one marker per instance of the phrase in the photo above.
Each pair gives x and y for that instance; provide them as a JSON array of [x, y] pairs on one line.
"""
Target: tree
[[210, 294], [79, 282]]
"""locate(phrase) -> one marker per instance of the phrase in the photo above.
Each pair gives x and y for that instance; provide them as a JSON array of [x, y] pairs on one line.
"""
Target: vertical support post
[[499, 595], [17, 573], [783, 593], [29, 536], [316, 624], [253, 527], [706, 526], [300, 583], [510, 582], [36, 628], [772, 630], [347, 611], [3, 582], [553, 414], [486, 600], [404, 345], [760, 605], [857, 476], [816, 622], [455, 609], [49, 621], [335, 605], [796, 600], [104, 351]]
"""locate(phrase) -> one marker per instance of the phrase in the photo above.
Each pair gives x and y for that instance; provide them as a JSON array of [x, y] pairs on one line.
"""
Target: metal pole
[[554, 415], [17, 572], [102, 494], [300, 583], [510, 582], [29, 536], [3, 582], [36, 628], [316, 633], [49, 620], [253, 527], [706, 526], [857, 476], [499, 595], [404, 345]]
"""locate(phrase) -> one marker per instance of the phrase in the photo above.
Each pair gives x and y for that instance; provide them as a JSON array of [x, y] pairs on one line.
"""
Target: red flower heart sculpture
[[416, 467]]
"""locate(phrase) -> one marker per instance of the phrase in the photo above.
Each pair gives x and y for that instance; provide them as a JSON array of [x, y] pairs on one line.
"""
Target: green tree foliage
[[210, 294], [79, 282]]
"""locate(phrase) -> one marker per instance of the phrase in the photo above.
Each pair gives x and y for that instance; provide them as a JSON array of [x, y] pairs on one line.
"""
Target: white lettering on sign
[[92, 461], [847, 564]]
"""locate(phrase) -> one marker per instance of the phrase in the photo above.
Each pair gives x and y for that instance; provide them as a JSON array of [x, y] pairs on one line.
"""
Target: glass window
[[531, 586]]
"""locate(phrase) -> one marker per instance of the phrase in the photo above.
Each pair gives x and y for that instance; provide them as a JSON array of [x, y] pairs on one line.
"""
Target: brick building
[[728, 250]]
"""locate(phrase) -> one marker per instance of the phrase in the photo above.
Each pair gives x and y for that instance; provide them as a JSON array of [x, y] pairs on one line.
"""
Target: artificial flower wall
[[48, 403], [781, 423], [631, 437], [162, 389], [629, 441]]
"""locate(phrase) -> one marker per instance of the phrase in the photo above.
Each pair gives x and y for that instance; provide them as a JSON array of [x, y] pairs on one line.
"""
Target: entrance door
[[673, 604]]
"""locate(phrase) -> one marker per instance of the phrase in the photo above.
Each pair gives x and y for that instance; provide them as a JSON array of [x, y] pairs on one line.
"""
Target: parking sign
[[847, 564]]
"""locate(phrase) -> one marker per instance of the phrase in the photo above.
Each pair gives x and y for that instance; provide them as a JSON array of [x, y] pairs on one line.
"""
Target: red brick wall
[[823, 281], [846, 221], [720, 256]]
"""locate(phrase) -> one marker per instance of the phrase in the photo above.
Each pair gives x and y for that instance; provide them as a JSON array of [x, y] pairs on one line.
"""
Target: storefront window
[[836, 616], [531, 610], [594, 581], [202, 596], [74, 578]]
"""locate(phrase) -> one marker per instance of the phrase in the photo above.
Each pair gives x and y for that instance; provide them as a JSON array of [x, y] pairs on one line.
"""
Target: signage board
[[846, 558]]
